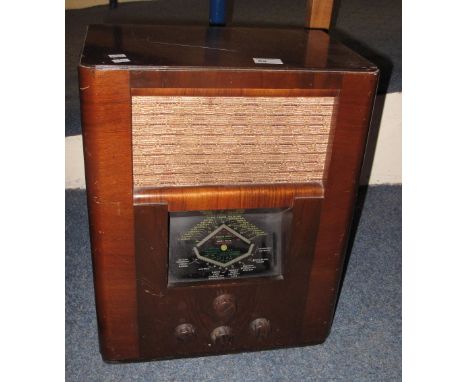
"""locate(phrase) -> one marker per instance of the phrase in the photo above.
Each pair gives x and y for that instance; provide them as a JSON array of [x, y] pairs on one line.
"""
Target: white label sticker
[[117, 55], [120, 60], [274, 61]]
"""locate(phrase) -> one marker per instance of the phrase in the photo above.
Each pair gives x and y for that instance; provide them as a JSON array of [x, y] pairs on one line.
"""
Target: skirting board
[[79, 4], [382, 164]]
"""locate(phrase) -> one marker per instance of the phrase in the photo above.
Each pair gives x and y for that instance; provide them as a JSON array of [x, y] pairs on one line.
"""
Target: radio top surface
[[165, 46]]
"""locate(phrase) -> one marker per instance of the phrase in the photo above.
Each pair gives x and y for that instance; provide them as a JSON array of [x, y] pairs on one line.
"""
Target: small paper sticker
[[274, 61], [117, 55], [119, 60]]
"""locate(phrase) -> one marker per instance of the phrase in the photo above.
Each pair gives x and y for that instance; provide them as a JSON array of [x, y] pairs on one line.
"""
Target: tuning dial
[[225, 306], [260, 328], [222, 335], [185, 332]]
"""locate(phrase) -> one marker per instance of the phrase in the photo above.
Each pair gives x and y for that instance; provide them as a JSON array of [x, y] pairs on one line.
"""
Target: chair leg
[[319, 14]]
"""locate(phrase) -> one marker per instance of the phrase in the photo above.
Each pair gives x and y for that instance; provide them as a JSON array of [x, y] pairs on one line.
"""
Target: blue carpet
[[364, 344]]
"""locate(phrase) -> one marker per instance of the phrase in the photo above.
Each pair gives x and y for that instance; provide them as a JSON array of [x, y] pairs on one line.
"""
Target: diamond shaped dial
[[223, 247]]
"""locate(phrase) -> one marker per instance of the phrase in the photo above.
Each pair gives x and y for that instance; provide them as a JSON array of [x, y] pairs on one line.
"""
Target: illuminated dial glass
[[230, 244], [223, 247]]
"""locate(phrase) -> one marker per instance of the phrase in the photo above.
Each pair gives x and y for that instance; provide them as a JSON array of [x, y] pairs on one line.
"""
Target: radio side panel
[[350, 134]]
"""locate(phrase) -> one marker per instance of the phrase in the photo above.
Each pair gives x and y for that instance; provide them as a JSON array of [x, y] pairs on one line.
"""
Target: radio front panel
[[216, 274], [216, 257]]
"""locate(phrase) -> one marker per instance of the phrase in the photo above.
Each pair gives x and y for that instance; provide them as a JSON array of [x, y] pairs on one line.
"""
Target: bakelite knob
[[225, 306], [260, 328], [185, 332], [222, 335]]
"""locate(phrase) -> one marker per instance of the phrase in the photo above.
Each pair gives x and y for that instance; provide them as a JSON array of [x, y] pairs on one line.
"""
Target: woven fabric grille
[[194, 141]]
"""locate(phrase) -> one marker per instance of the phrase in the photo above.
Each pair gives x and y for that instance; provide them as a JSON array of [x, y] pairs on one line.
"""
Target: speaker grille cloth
[[193, 141]]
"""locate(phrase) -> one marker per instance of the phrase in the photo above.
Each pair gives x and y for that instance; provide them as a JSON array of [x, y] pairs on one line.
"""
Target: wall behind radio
[[372, 28]]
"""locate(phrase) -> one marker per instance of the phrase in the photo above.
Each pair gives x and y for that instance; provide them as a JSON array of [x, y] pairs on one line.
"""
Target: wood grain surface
[[227, 197], [106, 116], [137, 311], [163, 308]]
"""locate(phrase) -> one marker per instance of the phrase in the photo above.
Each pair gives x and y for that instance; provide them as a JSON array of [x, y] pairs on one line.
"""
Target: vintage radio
[[222, 166]]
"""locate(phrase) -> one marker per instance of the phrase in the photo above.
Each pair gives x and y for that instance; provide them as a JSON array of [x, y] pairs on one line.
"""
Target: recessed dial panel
[[228, 244]]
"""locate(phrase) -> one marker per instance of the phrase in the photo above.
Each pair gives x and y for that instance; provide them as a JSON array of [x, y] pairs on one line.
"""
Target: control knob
[[185, 332], [222, 335], [260, 328], [224, 306]]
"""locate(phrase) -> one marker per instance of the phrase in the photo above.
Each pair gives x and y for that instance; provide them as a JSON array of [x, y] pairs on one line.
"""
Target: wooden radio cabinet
[[222, 166]]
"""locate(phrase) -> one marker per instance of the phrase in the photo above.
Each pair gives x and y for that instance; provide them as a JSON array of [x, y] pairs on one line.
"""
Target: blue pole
[[217, 12]]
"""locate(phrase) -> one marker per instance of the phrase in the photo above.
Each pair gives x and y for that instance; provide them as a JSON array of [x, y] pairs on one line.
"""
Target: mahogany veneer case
[[222, 166]]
